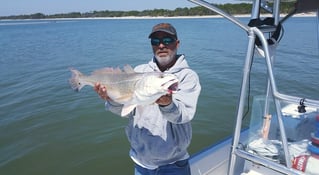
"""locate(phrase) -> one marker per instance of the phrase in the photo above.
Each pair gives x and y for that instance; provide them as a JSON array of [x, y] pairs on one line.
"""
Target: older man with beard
[[160, 133]]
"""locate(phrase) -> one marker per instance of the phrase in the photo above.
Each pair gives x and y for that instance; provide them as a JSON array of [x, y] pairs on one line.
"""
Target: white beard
[[163, 61]]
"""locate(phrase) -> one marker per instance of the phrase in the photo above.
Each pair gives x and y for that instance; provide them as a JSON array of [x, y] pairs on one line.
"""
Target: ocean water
[[47, 128]]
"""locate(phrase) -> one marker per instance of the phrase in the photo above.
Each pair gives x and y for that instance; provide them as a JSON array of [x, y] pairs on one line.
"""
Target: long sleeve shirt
[[160, 135]]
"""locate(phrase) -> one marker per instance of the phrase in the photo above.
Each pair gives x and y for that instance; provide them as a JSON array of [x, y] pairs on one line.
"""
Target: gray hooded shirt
[[161, 135]]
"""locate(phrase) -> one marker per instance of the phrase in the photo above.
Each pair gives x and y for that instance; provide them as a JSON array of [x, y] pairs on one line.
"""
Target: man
[[160, 133]]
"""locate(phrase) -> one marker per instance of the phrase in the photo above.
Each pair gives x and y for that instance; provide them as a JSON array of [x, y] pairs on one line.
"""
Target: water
[[46, 128]]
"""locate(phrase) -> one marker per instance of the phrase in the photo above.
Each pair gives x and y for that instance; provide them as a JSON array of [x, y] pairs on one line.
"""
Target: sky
[[49, 7]]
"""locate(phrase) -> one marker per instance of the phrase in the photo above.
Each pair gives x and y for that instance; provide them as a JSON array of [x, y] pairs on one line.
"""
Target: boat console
[[283, 132]]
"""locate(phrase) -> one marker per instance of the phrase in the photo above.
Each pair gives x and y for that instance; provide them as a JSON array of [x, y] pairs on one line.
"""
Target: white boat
[[285, 139]]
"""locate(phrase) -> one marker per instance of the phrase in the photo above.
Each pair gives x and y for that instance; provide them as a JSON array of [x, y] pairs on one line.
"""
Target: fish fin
[[128, 69], [123, 98], [127, 109], [74, 81], [110, 70], [107, 70]]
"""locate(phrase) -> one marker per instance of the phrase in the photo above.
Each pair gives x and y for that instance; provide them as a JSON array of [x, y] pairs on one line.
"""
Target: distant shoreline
[[312, 14], [186, 17]]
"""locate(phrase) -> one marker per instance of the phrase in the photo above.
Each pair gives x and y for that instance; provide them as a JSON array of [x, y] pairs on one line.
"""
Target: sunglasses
[[166, 41]]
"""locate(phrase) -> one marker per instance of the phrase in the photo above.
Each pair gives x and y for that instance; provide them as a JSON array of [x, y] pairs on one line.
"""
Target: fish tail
[[75, 80]]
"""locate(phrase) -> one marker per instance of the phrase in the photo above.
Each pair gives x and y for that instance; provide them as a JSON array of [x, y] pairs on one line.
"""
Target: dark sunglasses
[[166, 41]]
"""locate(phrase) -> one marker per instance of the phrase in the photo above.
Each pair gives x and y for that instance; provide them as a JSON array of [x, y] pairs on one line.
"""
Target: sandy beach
[[311, 14]]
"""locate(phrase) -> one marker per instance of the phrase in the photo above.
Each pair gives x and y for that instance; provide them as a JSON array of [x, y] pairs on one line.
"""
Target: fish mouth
[[171, 85]]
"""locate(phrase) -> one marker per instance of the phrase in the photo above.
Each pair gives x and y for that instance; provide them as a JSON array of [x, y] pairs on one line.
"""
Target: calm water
[[46, 128]]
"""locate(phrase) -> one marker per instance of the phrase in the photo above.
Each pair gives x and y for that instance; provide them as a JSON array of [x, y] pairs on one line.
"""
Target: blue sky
[[18, 7]]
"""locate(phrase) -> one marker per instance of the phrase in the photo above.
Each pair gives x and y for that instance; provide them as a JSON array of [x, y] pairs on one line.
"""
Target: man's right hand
[[101, 91]]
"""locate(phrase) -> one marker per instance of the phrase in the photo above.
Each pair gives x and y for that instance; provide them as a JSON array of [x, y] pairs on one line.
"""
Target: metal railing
[[272, 92]]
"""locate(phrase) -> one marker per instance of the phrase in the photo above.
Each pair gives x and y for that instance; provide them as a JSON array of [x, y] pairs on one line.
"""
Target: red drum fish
[[126, 86]]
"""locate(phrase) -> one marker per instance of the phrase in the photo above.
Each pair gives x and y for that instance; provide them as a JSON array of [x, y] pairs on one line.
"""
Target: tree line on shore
[[242, 8]]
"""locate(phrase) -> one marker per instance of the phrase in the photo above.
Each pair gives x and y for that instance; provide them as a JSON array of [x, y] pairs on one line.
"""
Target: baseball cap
[[164, 27]]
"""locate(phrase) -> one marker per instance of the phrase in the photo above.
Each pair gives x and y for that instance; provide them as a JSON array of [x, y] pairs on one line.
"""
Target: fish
[[127, 87]]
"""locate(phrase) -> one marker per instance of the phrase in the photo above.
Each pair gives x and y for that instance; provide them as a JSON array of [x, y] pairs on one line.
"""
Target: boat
[[282, 136]]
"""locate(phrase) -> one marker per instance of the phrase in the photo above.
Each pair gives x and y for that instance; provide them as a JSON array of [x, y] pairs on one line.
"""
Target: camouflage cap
[[164, 27]]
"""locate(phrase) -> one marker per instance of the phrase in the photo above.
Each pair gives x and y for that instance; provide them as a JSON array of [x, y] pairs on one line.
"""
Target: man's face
[[164, 48]]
